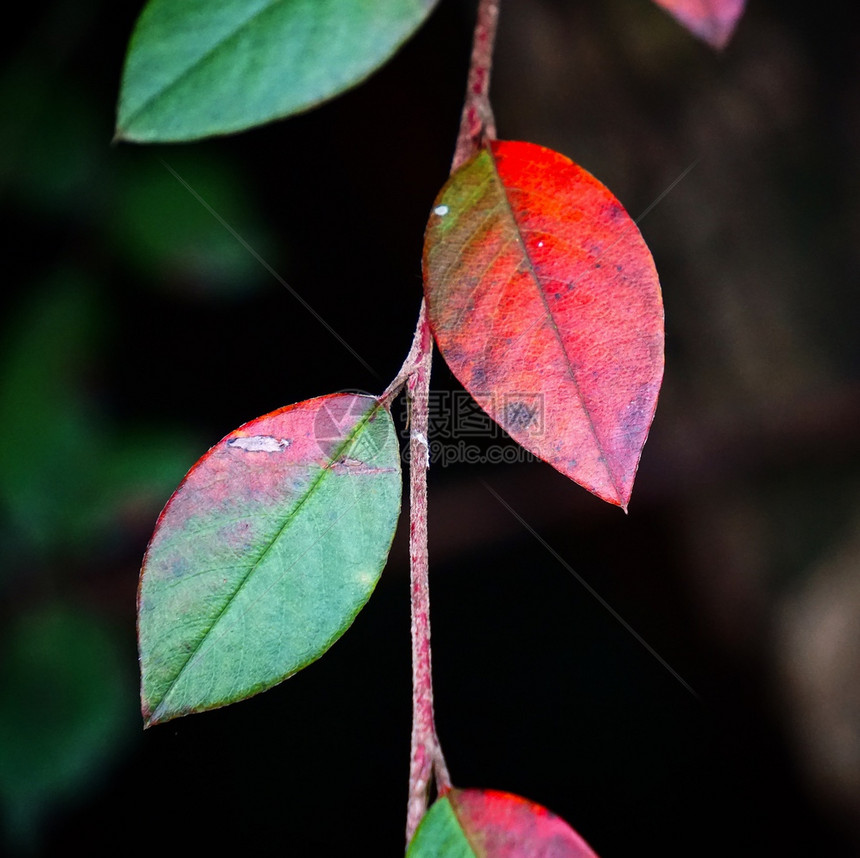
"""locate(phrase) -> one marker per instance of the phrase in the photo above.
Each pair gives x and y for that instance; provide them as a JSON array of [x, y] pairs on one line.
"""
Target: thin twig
[[426, 753], [477, 126], [426, 757], [410, 365]]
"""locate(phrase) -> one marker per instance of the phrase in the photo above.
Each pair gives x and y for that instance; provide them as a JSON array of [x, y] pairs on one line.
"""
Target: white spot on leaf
[[441, 210], [365, 578], [260, 444]]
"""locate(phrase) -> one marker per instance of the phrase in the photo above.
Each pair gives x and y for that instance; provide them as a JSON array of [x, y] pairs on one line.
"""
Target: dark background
[[137, 331]]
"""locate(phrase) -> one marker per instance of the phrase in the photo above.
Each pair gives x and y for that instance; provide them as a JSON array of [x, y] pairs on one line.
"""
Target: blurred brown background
[[137, 331]]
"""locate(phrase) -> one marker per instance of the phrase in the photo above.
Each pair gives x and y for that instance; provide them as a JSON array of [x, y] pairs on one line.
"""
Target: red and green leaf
[[488, 824], [266, 552], [545, 303], [713, 21]]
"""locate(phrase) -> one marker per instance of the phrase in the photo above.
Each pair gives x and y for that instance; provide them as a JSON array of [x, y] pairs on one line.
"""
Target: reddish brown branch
[[426, 755], [477, 124], [426, 760]]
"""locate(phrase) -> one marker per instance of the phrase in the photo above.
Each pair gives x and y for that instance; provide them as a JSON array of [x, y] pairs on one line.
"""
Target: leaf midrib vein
[[200, 61], [536, 280]]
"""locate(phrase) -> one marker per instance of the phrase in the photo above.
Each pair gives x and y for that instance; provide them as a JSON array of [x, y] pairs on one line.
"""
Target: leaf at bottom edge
[[489, 824]]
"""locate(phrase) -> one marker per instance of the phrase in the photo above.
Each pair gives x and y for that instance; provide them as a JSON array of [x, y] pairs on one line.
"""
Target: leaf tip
[[122, 134], [151, 715], [714, 24], [720, 41]]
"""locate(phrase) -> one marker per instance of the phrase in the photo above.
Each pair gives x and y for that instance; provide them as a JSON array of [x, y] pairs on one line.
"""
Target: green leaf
[[266, 552], [202, 67], [440, 834]]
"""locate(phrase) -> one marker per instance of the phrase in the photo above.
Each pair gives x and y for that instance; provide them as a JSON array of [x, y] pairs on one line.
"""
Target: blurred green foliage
[[81, 483], [69, 713], [70, 483], [190, 246]]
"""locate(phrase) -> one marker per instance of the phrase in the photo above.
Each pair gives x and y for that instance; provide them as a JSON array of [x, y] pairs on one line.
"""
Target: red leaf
[[502, 825], [491, 824], [545, 303], [713, 21]]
